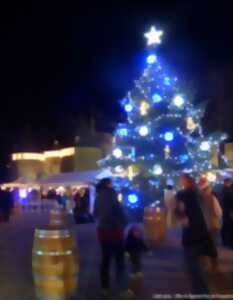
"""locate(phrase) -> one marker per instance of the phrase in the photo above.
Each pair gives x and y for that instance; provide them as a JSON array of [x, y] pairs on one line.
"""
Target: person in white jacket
[[211, 207], [212, 212]]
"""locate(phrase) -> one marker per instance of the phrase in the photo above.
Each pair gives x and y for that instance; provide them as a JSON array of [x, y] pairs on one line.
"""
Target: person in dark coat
[[135, 246], [196, 239], [227, 206], [110, 231], [6, 204]]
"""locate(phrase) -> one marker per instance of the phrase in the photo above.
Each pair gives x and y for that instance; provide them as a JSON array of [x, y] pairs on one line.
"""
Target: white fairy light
[[157, 170], [178, 101], [143, 130], [205, 146], [117, 152]]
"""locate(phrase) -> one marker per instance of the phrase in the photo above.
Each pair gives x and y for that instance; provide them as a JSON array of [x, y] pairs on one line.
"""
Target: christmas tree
[[162, 137]]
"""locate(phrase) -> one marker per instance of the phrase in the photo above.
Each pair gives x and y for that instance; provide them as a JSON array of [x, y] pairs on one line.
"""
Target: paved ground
[[163, 268]]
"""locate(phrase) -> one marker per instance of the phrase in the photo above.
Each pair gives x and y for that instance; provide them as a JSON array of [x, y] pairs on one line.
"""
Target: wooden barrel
[[55, 264], [60, 217], [155, 226]]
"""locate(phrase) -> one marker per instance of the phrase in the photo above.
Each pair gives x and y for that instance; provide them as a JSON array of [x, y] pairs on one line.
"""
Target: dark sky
[[62, 58]]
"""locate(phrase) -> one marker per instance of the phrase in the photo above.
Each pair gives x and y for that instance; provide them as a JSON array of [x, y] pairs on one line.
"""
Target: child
[[135, 246]]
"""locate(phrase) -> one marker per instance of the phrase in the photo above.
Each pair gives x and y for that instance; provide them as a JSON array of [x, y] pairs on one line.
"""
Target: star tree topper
[[153, 36]]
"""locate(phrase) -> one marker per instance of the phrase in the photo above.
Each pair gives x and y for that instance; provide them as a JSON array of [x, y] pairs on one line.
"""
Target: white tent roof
[[71, 178], [62, 179], [22, 182]]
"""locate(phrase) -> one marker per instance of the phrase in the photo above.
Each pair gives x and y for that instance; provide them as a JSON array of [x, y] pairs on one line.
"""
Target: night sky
[[62, 61]]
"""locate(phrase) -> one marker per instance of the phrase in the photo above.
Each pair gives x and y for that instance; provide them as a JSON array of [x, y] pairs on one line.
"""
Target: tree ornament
[[211, 176], [205, 146], [130, 172], [144, 107], [128, 107], [119, 169], [168, 136], [153, 36], [143, 131], [157, 170], [178, 101], [167, 81], [133, 198], [167, 151], [156, 98], [122, 132], [151, 59], [120, 197], [191, 125], [117, 153]]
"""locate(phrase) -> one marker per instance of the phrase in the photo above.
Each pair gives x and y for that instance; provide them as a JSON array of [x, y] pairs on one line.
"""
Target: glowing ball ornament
[[205, 146], [144, 107], [157, 170], [183, 158], [167, 81], [128, 107], [143, 131], [156, 98], [168, 136], [151, 59], [153, 36], [117, 153], [133, 198], [122, 131], [119, 169], [178, 101]]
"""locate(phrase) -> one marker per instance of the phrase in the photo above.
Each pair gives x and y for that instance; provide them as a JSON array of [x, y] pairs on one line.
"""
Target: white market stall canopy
[[70, 179], [21, 182], [63, 179]]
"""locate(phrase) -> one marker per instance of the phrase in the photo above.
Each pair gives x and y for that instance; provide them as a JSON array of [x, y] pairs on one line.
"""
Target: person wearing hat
[[212, 213], [211, 207]]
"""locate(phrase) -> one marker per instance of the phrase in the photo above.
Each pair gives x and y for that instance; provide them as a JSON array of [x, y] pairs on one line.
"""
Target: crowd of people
[[202, 215]]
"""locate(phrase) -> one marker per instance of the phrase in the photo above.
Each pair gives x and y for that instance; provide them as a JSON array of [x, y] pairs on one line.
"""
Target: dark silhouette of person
[[110, 231], [227, 206]]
